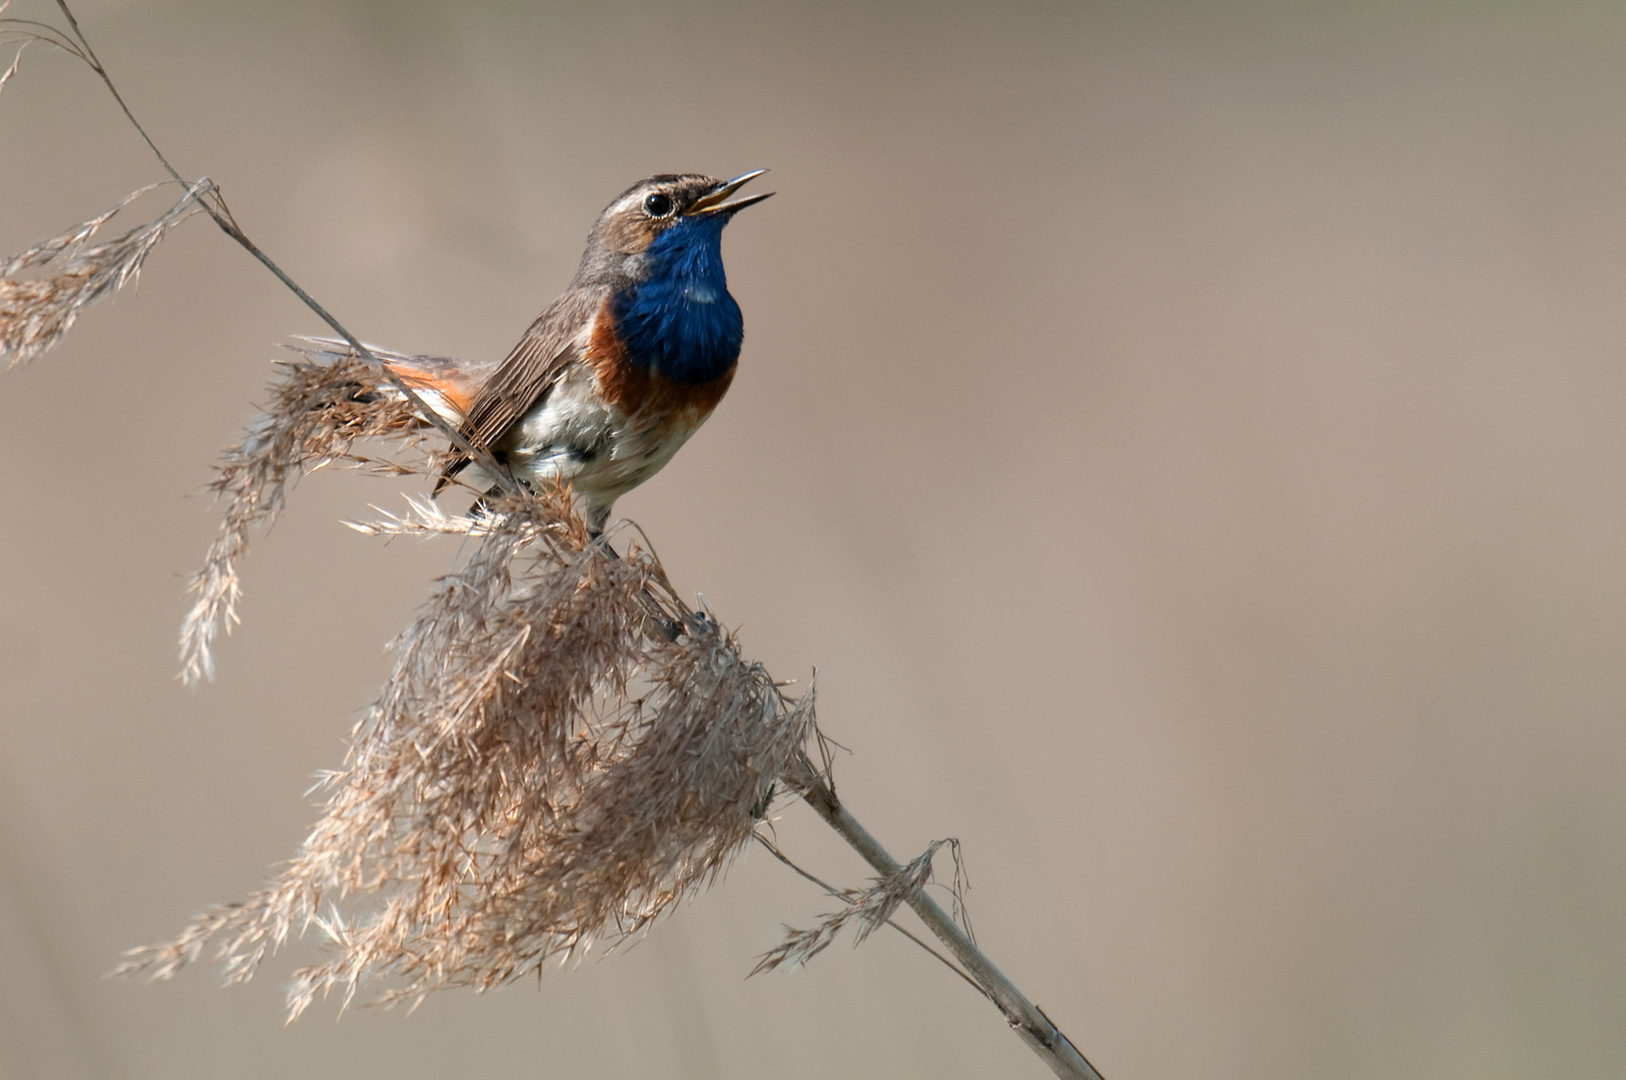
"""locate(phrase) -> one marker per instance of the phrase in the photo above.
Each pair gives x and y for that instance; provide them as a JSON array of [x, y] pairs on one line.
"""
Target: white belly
[[574, 437]]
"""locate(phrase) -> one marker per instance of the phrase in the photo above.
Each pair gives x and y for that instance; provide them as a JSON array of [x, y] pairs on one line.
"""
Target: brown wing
[[528, 374]]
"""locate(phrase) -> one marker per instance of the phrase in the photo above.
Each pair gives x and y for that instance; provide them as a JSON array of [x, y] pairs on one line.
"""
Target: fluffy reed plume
[[867, 909], [548, 764], [321, 405], [36, 313]]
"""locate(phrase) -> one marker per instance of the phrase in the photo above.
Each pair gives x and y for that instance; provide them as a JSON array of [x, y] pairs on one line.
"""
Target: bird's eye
[[658, 205]]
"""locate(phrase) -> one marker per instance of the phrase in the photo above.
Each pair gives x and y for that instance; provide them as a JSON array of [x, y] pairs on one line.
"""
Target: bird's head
[[669, 214]]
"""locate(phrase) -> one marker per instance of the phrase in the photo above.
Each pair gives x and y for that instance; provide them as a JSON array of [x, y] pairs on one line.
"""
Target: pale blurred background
[[1187, 439]]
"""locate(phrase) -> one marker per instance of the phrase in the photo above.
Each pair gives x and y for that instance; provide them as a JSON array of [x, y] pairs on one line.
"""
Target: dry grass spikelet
[[17, 32], [562, 751], [321, 405], [867, 910], [16, 62], [36, 313]]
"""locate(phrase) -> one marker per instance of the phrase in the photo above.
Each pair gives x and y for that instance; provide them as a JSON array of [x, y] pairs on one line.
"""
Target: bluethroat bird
[[624, 367]]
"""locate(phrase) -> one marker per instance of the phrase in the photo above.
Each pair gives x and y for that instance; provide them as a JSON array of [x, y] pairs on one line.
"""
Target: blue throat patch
[[680, 321]]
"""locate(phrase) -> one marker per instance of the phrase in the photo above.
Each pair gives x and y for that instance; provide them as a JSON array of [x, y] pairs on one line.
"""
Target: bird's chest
[[654, 414], [640, 388], [609, 424], [680, 323]]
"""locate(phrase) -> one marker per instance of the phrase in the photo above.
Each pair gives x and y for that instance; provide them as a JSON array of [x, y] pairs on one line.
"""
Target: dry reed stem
[[545, 767], [35, 314]]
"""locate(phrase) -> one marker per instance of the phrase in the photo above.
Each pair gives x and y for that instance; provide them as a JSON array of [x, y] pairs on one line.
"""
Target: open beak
[[715, 201]]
